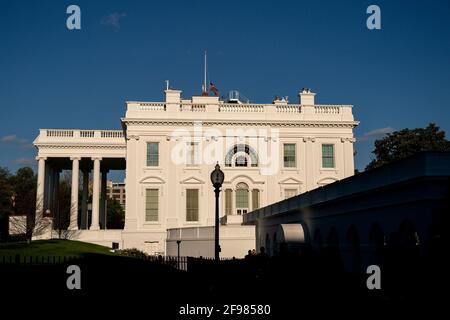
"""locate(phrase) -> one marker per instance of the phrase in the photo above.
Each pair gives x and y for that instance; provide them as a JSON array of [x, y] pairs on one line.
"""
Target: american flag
[[214, 89]]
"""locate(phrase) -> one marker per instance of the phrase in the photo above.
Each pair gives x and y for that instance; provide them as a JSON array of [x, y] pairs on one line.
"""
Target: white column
[[73, 225], [96, 195], [40, 188], [310, 165], [46, 186]]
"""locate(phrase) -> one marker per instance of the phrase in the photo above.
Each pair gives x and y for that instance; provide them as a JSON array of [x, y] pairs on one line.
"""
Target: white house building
[[168, 149]]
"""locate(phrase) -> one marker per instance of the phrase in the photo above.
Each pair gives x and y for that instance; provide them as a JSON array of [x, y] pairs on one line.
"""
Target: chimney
[[306, 97], [173, 96], [280, 101]]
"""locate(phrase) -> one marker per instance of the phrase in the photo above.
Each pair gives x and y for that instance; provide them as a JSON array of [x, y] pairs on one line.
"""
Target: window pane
[[228, 201], [255, 199], [152, 154], [328, 156], [241, 198], [241, 161], [289, 155], [192, 205], [151, 205]]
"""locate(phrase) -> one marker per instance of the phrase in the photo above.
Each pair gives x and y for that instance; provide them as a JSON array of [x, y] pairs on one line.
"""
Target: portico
[[93, 152]]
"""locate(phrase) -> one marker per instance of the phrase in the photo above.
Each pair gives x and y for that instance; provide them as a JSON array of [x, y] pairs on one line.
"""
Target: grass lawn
[[45, 248]]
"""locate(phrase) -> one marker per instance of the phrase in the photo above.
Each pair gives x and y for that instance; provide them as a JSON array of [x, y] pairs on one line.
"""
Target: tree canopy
[[6, 192], [406, 142]]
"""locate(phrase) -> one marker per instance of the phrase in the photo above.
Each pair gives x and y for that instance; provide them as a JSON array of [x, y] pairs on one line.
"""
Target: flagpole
[[204, 81]]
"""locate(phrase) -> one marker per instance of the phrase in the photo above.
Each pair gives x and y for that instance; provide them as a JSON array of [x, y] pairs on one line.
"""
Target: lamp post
[[217, 177], [178, 260]]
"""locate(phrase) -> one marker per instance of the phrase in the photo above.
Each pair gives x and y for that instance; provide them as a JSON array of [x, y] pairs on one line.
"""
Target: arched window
[[241, 198], [241, 155]]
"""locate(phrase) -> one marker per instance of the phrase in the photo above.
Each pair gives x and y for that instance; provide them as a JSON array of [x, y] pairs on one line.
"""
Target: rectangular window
[[289, 155], [228, 201], [288, 193], [192, 153], [255, 199], [191, 204], [151, 205], [152, 154], [327, 156]]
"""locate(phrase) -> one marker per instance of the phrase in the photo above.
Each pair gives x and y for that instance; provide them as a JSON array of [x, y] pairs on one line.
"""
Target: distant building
[[116, 191]]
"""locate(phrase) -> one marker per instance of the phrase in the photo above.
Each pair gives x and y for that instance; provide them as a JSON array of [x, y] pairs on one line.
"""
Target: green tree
[[24, 188], [115, 215], [6, 193], [406, 142]]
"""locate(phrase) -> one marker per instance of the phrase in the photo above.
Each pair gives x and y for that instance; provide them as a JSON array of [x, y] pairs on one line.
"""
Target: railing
[[111, 134], [327, 109], [238, 108], [232, 107], [61, 133], [87, 133], [152, 106], [192, 107], [290, 108], [36, 260]]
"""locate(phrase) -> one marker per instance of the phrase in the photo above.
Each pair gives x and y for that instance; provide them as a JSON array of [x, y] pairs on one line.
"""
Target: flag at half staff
[[214, 89]]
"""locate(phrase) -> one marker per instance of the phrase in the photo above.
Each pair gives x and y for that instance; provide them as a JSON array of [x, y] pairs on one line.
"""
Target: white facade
[[267, 151]]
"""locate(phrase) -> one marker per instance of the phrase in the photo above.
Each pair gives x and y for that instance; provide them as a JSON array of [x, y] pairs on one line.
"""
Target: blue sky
[[51, 77]]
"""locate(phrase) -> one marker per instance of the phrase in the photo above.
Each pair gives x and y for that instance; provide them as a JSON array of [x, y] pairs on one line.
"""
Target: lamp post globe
[[217, 177]]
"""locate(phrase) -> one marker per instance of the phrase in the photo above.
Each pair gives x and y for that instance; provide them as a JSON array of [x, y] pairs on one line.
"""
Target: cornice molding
[[352, 140], [84, 146], [132, 137], [302, 124], [311, 139]]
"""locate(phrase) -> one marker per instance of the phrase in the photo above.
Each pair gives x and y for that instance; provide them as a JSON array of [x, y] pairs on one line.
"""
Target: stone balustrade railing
[[236, 108], [82, 134], [221, 111]]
